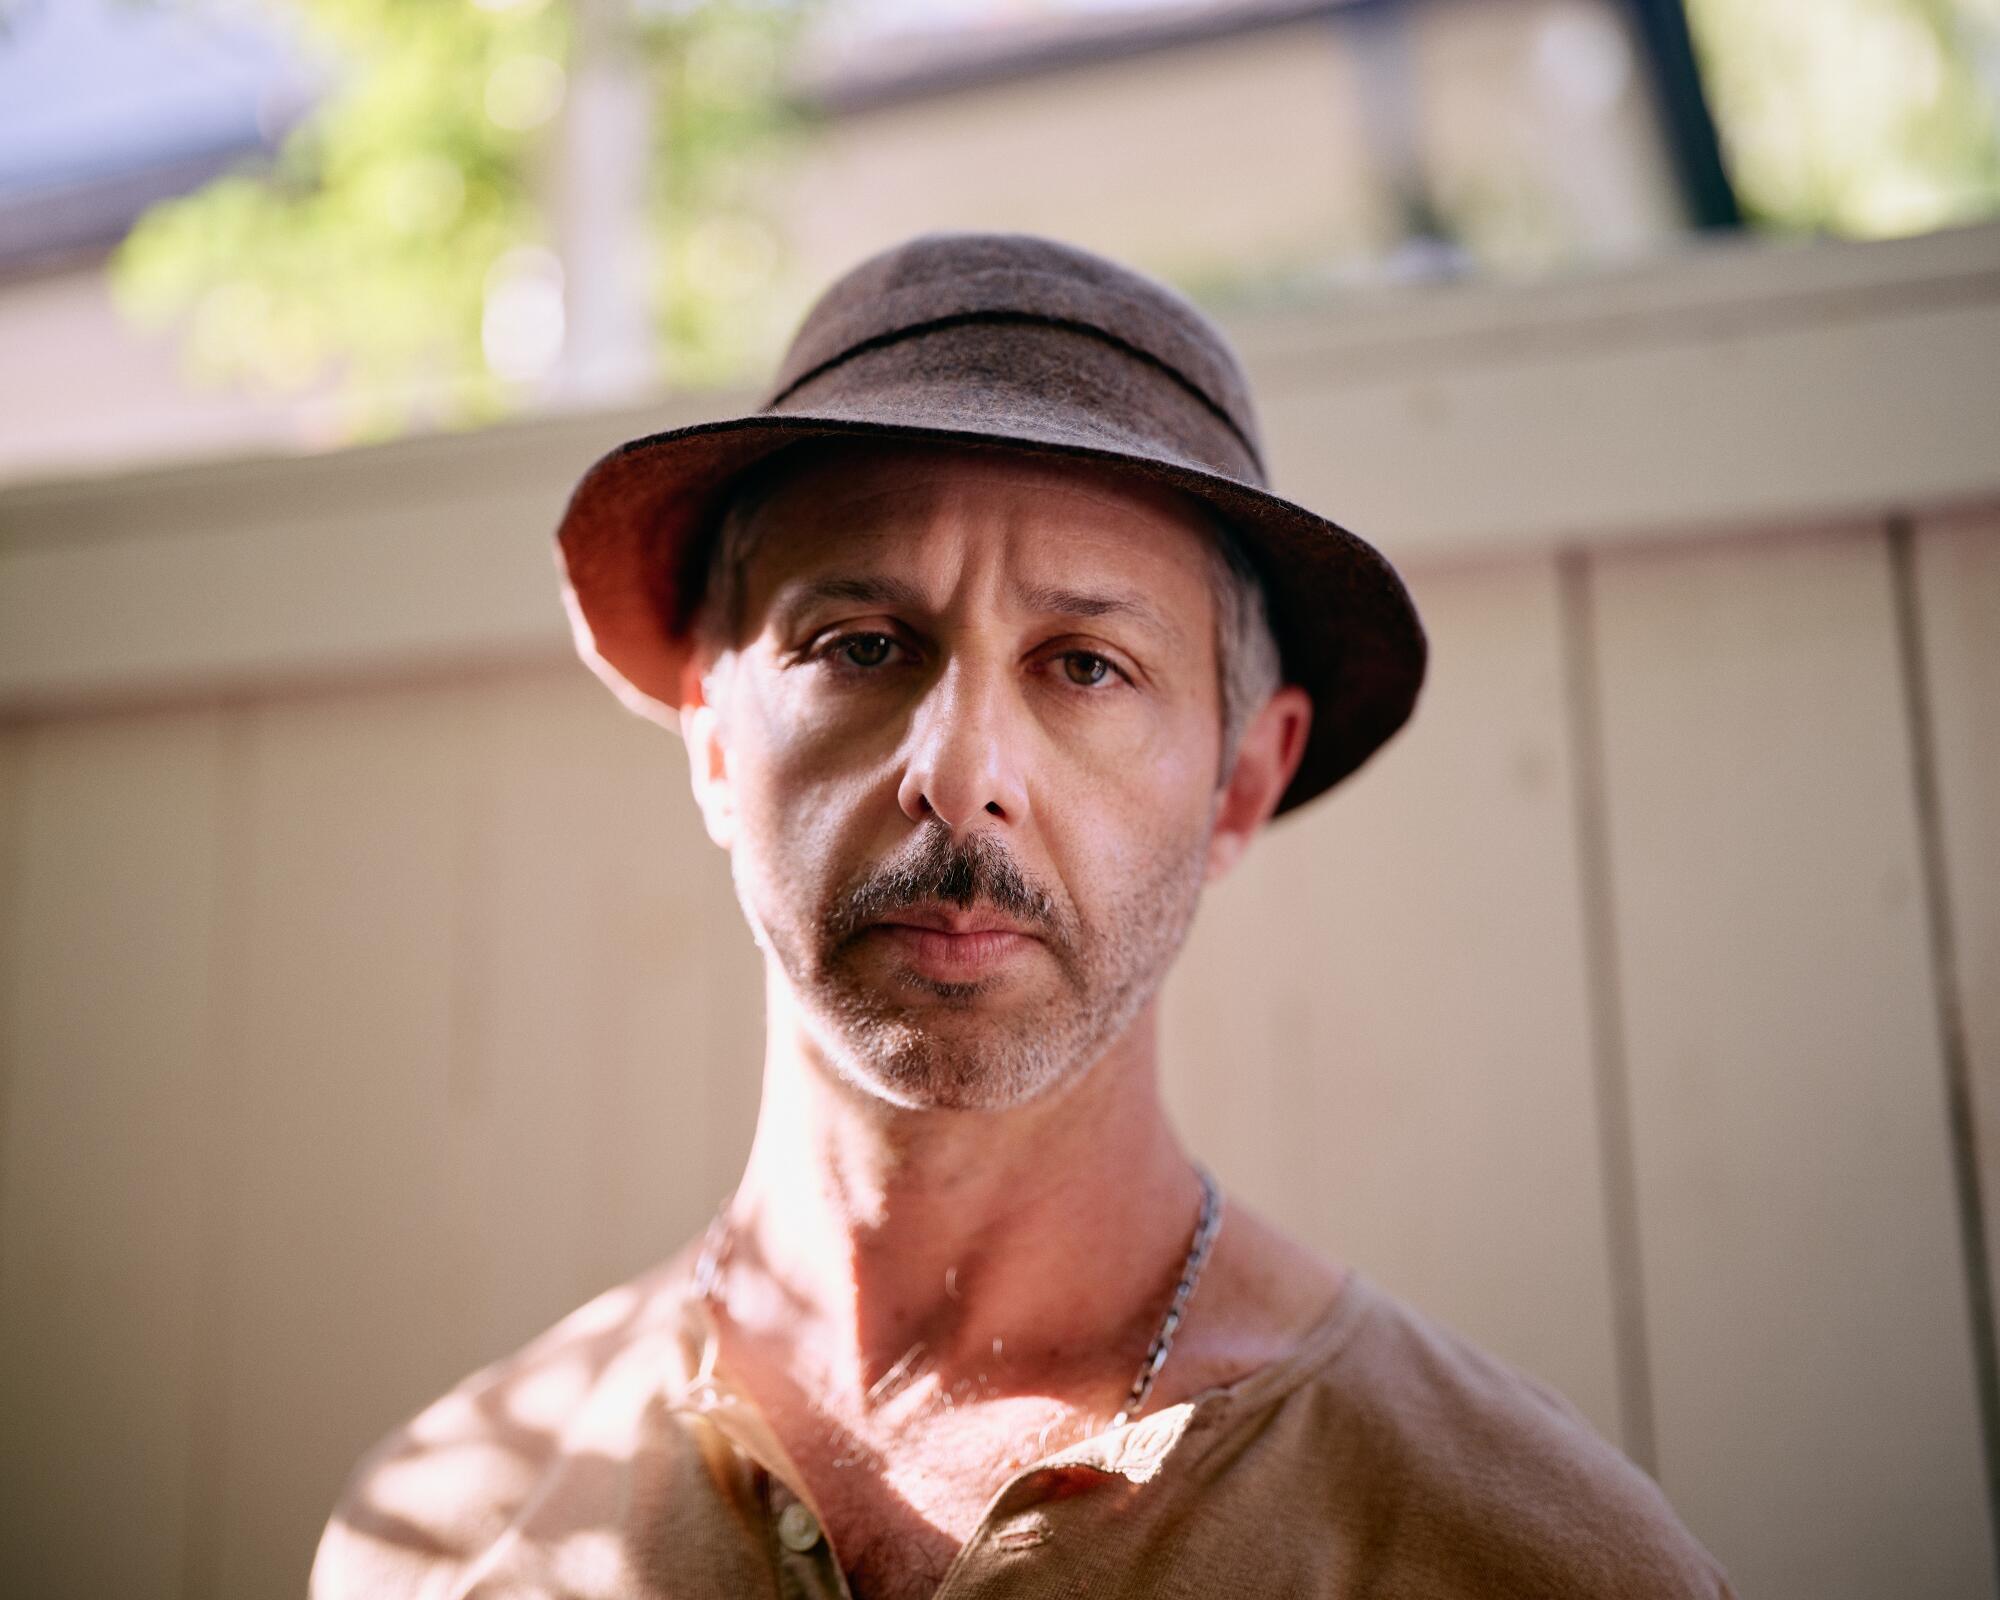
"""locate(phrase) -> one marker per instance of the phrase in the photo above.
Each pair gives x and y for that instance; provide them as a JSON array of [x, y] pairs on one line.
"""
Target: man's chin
[[928, 1087], [948, 1061]]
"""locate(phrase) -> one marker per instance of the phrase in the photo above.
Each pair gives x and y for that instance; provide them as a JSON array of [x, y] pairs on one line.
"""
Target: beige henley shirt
[[1386, 1457]]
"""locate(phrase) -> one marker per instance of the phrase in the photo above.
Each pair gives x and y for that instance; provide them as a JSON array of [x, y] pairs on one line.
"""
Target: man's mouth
[[956, 923], [948, 945]]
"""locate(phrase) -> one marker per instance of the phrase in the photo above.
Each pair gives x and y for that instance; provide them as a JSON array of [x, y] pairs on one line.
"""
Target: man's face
[[969, 688]]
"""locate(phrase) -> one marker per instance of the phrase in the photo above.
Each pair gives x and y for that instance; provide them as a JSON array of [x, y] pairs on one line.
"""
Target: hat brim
[[627, 549]]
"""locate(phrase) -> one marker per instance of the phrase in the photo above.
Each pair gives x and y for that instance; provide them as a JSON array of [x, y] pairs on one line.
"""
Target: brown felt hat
[[1017, 342]]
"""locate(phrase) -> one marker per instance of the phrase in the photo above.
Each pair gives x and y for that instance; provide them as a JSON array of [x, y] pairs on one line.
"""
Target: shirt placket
[[793, 1532], [803, 1555], [1018, 1521]]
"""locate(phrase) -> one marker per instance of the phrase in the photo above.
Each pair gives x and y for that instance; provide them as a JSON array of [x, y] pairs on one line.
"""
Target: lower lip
[[955, 955]]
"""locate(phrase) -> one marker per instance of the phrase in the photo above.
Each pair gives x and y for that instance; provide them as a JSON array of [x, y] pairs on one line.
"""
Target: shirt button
[[798, 1528]]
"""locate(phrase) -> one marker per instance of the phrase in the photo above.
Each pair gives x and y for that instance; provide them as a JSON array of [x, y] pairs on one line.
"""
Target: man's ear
[[1270, 752], [708, 752]]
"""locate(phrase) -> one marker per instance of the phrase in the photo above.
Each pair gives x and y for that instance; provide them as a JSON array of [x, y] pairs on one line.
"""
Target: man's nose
[[965, 750]]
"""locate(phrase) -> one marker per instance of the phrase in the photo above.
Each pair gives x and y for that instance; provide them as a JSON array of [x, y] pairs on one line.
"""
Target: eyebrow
[[1053, 600], [1044, 599], [859, 590]]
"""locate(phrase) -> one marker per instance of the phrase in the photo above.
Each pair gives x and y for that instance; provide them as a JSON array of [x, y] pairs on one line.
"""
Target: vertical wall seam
[[201, 1556], [13, 935], [472, 825], [477, 756], [1942, 941], [1605, 1006]]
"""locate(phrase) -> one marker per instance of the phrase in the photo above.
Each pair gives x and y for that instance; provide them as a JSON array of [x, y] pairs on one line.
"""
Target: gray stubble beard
[[897, 1052]]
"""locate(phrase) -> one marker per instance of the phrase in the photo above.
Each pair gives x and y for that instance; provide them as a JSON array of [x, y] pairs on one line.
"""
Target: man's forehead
[[921, 475], [867, 519]]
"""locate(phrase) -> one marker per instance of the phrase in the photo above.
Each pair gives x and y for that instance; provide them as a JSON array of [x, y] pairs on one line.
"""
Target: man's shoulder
[[438, 1491], [1487, 1475]]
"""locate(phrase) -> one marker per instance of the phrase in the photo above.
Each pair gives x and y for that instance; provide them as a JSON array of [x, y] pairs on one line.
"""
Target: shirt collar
[[1136, 1451]]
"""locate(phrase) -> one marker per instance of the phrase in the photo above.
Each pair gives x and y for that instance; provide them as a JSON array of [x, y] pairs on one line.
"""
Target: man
[[990, 649]]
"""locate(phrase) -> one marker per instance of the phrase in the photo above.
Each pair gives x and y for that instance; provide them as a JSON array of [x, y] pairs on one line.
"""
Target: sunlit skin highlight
[[974, 683]]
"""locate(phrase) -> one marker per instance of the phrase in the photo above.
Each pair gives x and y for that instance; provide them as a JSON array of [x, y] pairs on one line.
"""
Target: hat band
[[963, 318]]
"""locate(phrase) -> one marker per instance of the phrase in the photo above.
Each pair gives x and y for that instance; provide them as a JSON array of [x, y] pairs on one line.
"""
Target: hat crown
[[944, 279]]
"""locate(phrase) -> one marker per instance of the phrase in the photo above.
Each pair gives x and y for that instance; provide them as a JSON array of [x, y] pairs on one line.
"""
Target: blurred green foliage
[[362, 262], [723, 126], [1856, 117]]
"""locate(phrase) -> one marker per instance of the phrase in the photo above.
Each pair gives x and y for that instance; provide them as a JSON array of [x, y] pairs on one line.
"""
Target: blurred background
[[370, 995]]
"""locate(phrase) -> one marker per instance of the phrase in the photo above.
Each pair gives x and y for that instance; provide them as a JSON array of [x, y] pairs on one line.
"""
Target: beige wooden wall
[[370, 996]]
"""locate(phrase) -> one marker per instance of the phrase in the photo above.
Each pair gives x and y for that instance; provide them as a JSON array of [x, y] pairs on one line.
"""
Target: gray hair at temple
[[1248, 668]]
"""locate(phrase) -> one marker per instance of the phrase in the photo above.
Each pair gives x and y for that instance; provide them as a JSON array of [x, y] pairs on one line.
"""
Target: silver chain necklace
[[720, 1237]]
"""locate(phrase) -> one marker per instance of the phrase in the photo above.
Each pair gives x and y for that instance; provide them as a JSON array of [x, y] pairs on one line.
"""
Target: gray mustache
[[974, 870]]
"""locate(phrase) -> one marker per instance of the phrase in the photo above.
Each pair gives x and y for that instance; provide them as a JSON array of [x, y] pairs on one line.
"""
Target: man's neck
[[1024, 1246]]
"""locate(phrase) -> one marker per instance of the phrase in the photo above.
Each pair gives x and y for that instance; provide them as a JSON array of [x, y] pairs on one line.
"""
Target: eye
[[860, 651], [1086, 669]]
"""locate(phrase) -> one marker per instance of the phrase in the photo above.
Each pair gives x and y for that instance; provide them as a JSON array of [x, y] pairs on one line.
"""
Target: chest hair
[[901, 1503]]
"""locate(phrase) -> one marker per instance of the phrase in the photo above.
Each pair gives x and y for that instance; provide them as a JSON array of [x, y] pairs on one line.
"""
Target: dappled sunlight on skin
[[613, 1308], [429, 1488], [450, 1485], [544, 1399], [453, 1417], [592, 1562]]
